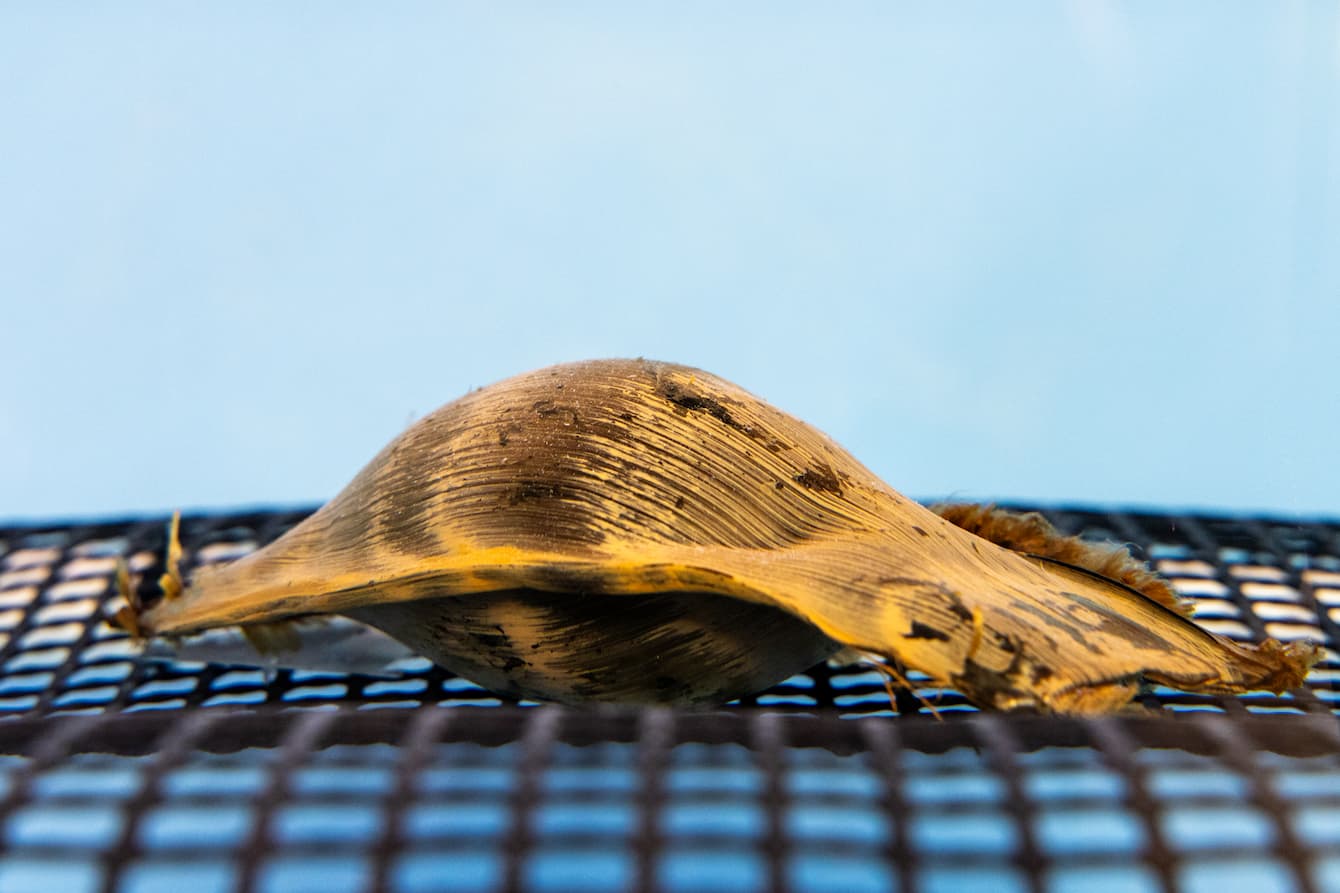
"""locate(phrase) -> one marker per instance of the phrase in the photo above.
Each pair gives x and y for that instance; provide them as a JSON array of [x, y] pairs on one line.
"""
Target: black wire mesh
[[117, 774]]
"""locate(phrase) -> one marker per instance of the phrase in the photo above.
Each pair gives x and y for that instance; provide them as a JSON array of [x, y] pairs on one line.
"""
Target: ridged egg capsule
[[634, 531]]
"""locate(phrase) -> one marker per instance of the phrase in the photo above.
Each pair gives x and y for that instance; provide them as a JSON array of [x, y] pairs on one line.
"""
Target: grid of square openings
[[548, 799], [1249, 577]]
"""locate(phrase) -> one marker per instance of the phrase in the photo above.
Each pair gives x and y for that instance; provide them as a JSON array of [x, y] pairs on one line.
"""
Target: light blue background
[[1080, 252]]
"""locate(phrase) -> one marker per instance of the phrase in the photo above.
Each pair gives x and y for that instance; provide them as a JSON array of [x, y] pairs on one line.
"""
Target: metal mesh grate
[[204, 778], [504, 798]]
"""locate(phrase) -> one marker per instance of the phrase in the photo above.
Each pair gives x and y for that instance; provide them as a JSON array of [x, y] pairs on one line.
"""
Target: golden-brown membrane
[[636, 531]]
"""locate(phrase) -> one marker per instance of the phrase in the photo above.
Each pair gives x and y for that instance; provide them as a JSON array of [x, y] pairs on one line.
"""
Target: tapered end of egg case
[[129, 616], [144, 620], [1282, 666], [1202, 661]]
